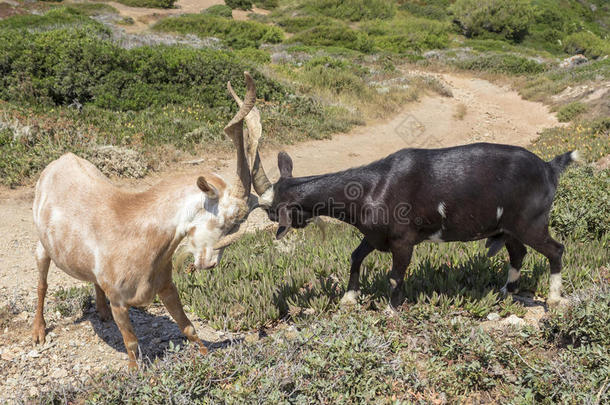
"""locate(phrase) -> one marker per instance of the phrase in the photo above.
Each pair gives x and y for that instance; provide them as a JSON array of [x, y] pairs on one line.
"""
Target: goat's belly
[[72, 258]]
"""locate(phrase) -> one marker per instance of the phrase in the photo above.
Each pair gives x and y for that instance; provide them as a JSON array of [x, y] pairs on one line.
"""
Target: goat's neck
[[332, 196], [163, 215]]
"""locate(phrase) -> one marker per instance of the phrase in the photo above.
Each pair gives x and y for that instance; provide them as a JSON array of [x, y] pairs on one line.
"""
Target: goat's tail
[[561, 162]]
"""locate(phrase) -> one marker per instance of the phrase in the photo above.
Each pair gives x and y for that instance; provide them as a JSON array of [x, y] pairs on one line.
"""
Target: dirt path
[[492, 113], [144, 17]]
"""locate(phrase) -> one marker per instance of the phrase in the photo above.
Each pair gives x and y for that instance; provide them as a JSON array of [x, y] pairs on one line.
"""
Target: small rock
[[7, 356], [33, 353], [493, 316], [59, 373], [33, 391], [572, 61], [514, 320]]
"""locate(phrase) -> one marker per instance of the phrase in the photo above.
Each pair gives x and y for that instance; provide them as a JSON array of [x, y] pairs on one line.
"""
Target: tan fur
[[123, 241]]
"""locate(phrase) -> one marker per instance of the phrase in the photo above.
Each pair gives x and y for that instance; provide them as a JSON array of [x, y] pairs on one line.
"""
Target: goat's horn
[[231, 238], [234, 130], [260, 181]]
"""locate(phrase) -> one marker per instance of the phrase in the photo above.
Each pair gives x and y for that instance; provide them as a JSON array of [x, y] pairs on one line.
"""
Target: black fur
[[483, 191]]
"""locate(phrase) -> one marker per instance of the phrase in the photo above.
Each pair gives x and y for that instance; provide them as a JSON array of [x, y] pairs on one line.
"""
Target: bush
[[149, 3], [585, 323], [501, 63], [236, 34], [240, 4], [432, 9], [408, 34], [353, 10], [267, 4], [335, 34], [219, 10], [508, 18], [586, 43], [570, 111], [581, 209]]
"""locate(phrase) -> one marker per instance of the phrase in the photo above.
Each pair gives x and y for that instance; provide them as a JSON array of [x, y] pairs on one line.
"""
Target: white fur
[[575, 156], [555, 287], [349, 298], [442, 209], [499, 212], [436, 237], [513, 275]]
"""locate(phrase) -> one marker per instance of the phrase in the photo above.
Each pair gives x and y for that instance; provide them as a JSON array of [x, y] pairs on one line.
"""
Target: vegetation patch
[[149, 3], [72, 301], [236, 34], [219, 10], [501, 63], [570, 111], [586, 43], [352, 10]]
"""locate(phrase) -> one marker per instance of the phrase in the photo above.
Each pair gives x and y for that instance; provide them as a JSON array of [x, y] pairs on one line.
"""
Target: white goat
[[123, 241]]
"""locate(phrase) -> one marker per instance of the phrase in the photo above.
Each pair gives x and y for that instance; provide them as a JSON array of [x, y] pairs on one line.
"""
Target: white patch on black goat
[[442, 209], [575, 155], [499, 212], [436, 237], [555, 287]]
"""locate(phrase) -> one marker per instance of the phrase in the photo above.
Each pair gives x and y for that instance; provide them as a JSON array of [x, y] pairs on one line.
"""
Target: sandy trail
[[144, 17], [493, 114]]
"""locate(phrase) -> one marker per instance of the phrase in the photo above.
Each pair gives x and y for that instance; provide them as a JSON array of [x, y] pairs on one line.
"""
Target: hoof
[[504, 291], [132, 365], [39, 333], [349, 299]]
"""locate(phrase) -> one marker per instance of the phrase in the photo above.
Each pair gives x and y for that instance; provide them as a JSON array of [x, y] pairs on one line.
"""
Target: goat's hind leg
[[401, 257], [516, 253], [353, 286], [103, 309], [121, 317], [43, 262], [170, 298], [553, 251]]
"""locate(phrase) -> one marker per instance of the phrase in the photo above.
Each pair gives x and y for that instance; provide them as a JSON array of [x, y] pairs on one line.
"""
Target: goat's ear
[[284, 163], [285, 223], [207, 188]]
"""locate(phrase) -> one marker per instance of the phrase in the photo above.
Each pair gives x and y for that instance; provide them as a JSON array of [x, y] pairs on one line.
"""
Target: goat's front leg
[[353, 286], [121, 317], [170, 298], [401, 257], [43, 262]]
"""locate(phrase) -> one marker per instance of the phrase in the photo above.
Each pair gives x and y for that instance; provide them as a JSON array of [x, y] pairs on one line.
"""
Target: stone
[[514, 320], [33, 353], [572, 61], [59, 373], [493, 316]]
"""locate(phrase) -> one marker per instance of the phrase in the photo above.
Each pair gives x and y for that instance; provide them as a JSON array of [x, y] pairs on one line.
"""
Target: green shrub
[[236, 34], [336, 34], [585, 323], [581, 210], [72, 301], [335, 75], [267, 4], [586, 43], [94, 8], [508, 18], [240, 4], [298, 24], [219, 10], [408, 34], [52, 19], [501, 63], [353, 10], [149, 3], [570, 111], [432, 9]]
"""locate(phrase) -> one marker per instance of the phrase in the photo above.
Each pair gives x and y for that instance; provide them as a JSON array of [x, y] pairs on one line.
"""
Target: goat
[[123, 241], [462, 193]]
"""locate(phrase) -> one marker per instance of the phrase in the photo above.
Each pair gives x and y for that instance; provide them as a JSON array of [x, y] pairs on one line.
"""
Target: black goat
[[463, 193]]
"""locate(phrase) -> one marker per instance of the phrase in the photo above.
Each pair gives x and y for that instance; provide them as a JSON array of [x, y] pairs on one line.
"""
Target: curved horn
[[260, 181], [234, 130]]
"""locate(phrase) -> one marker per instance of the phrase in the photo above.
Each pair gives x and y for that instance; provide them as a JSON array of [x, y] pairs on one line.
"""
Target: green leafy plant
[[240, 4], [219, 10], [72, 301], [586, 43], [570, 111], [509, 19]]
